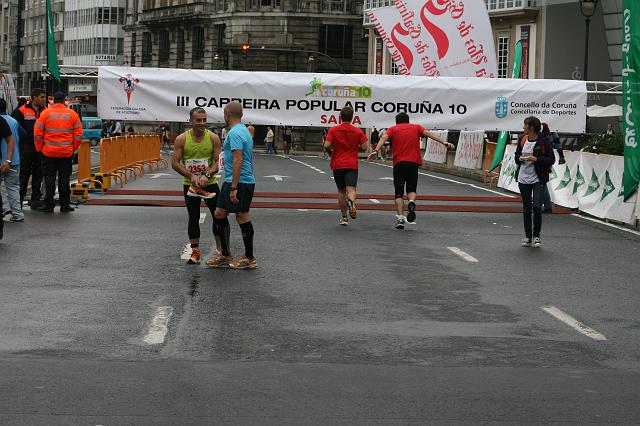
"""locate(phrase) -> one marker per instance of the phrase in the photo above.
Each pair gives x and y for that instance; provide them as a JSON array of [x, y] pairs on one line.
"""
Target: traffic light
[[245, 49]]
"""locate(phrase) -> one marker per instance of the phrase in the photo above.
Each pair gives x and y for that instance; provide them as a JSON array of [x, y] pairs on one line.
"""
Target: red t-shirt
[[405, 142], [345, 139]]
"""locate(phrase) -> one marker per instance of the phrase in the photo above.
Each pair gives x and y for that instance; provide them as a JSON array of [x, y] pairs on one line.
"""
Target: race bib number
[[197, 166]]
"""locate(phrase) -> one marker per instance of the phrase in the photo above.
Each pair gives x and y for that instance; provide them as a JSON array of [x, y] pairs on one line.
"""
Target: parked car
[[92, 129]]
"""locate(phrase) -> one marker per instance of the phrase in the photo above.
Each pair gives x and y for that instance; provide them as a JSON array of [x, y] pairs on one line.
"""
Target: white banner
[[304, 99], [436, 152], [469, 150], [589, 182], [438, 37]]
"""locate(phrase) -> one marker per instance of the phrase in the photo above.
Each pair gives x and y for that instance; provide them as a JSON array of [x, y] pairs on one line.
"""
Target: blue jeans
[[12, 196], [269, 147], [532, 199], [547, 198]]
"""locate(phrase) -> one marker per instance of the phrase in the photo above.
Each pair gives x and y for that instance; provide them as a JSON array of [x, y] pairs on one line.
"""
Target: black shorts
[[287, 138], [245, 195], [345, 177], [405, 173]]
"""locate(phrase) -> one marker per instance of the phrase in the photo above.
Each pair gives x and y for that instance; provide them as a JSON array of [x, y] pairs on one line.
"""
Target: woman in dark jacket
[[534, 157]]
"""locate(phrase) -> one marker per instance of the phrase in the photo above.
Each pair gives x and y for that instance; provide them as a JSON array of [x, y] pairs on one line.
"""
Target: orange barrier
[[489, 177], [125, 157], [80, 190]]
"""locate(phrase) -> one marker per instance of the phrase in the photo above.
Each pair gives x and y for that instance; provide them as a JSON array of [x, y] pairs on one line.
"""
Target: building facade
[[210, 35], [8, 35], [93, 35]]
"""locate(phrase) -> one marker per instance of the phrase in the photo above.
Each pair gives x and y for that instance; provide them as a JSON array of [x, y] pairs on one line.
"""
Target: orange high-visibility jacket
[[58, 132]]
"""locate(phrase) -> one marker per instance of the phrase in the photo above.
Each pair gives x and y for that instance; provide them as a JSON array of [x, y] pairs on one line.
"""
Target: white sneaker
[[400, 222], [526, 242], [344, 221], [537, 242]]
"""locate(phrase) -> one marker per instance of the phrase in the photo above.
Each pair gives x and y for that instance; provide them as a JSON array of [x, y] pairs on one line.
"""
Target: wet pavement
[[359, 325]]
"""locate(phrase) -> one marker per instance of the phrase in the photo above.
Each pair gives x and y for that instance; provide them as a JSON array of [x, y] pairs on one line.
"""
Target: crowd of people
[[38, 143]]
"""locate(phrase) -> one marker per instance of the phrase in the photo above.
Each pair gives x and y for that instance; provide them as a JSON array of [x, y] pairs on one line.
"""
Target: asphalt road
[[102, 323]]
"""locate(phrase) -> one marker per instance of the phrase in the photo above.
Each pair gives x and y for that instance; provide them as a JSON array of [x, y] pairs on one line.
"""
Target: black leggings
[[193, 207]]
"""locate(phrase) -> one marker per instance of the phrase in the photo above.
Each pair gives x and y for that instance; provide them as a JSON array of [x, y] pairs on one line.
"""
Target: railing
[[499, 6], [125, 157], [177, 12]]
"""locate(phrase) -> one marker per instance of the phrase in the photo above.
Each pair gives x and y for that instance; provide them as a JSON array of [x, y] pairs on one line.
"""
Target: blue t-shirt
[[239, 138], [15, 130]]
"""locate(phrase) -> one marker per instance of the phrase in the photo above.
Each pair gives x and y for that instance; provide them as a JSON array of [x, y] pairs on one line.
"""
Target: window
[[503, 56], [336, 41], [180, 46], [147, 47], [163, 47], [197, 40], [134, 40], [394, 68]]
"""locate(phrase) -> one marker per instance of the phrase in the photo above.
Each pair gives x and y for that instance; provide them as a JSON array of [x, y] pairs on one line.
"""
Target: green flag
[[52, 55], [502, 139], [631, 95]]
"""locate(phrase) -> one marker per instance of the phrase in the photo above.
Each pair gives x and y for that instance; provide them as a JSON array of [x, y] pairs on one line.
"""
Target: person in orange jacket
[[57, 134]]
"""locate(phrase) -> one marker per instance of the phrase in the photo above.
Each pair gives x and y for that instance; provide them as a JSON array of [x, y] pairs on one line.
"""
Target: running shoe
[[219, 260], [411, 215], [400, 223], [526, 242], [195, 256], [17, 219], [6, 212], [199, 192], [537, 242], [344, 221], [243, 262], [353, 211]]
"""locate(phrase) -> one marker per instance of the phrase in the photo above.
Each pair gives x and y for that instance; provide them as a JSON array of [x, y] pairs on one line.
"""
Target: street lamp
[[588, 9]]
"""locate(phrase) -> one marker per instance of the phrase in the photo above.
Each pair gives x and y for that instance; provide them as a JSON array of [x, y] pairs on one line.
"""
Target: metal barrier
[[80, 190], [125, 157]]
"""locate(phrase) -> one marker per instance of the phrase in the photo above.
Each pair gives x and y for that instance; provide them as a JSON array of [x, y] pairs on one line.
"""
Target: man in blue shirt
[[11, 176], [237, 191]]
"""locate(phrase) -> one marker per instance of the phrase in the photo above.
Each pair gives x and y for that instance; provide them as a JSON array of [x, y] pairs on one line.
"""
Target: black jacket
[[543, 151]]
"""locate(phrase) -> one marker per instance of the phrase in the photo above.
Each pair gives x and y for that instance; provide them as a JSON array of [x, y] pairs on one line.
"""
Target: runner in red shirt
[[406, 160], [343, 142]]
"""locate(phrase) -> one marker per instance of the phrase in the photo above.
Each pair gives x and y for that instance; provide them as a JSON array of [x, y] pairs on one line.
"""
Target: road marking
[[303, 210], [454, 181], [573, 323], [278, 178], [308, 165], [159, 326], [385, 178], [186, 252], [373, 200], [203, 216], [157, 175], [622, 228], [462, 254]]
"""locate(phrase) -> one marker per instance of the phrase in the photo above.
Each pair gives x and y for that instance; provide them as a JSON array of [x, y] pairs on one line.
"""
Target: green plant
[[599, 143]]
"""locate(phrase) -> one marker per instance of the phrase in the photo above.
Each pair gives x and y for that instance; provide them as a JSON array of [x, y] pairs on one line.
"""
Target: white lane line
[[462, 254], [373, 200], [203, 217], [573, 323], [186, 252], [303, 210], [622, 228], [308, 165], [455, 181], [159, 326]]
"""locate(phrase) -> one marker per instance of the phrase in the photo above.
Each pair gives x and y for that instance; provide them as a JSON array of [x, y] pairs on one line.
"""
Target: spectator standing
[[58, 133], [11, 177]]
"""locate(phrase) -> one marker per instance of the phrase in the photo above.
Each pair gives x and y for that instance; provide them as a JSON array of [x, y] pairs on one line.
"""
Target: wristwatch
[[8, 161], [233, 188], [208, 175]]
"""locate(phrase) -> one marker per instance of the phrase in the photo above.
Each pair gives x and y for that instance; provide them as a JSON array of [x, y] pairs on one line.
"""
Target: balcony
[[510, 7], [173, 13]]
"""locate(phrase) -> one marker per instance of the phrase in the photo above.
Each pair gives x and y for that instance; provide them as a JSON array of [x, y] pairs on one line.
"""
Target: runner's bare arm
[[362, 147], [237, 167], [215, 142], [431, 135], [381, 142], [176, 159]]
